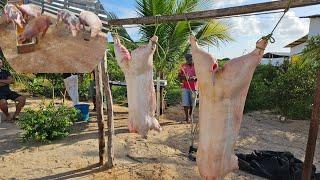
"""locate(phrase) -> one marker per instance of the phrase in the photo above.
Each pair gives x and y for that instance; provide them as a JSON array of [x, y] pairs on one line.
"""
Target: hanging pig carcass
[[223, 93], [137, 68]]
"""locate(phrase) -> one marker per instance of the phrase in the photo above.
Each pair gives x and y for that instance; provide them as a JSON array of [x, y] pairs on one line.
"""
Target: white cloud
[[245, 26], [227, 3], [292, 26], [247, 30]]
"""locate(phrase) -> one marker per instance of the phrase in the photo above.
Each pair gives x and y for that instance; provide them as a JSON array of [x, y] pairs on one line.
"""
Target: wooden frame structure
[[102, 78], [75, 5], [234, 11]]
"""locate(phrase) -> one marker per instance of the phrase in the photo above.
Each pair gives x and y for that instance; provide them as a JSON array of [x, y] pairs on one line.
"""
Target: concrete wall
[[314, 27], [297, 49]]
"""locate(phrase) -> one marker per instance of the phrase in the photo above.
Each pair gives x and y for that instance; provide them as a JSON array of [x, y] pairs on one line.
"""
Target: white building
[[297, 46], [275, 58]]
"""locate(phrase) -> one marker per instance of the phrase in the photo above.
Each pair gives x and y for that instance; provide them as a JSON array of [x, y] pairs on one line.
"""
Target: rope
[[157, 25], [269, 36], [188, 23]]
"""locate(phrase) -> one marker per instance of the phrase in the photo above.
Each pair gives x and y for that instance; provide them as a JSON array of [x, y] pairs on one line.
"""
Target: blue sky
[[245, 30]]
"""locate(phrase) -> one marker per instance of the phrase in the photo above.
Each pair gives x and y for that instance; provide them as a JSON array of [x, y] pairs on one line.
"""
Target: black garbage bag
[[273, 165]]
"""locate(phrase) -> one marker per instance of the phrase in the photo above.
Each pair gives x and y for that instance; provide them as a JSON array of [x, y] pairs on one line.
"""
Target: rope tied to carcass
[[270, 37], [157, 24], [193, 127], [188, 24]]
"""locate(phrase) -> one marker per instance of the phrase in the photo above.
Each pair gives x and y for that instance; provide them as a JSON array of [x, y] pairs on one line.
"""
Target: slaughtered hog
[[137, 68], [223, 93]]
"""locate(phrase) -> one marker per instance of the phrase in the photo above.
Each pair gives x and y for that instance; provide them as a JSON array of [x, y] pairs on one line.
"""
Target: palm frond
[[173, 37], [213, 32]]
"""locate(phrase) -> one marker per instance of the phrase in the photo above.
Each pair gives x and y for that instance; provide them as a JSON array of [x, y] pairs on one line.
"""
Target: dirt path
[[161, 156]]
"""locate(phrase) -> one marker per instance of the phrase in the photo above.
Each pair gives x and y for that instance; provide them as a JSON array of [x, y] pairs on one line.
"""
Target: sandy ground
[[162, 156]]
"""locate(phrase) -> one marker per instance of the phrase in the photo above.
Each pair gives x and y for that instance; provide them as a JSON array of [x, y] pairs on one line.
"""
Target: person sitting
[[6, 93]]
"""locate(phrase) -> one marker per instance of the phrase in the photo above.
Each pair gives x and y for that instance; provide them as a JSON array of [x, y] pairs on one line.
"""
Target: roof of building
[[311, 16], [276, 55], [297, 42]]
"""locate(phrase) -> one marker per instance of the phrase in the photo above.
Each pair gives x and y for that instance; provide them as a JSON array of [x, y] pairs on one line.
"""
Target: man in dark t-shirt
[[6, 93]]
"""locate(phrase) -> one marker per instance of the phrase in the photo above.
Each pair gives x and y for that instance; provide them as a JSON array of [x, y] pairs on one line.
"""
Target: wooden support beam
[[100, 119], [313, 133], [216, 13], [108, 95]]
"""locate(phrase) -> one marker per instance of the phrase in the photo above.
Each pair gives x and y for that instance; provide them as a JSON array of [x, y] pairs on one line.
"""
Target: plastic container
[[84, 111]]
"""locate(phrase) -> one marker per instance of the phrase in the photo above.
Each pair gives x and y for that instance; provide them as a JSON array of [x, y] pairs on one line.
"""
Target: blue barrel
[[84, 111]]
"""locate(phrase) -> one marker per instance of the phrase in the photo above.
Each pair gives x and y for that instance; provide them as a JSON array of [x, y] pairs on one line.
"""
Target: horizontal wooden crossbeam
[[231, 11]]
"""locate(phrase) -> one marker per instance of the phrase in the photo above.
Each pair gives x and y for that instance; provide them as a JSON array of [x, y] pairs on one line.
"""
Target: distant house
[[275, 58], [297, 46]]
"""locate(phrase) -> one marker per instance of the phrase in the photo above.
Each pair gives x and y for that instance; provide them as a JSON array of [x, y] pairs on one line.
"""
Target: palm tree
[[173, 37], [311, 54]]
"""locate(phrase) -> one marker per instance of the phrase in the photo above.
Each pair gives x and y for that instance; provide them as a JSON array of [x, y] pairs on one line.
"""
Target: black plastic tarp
[[273, 165]]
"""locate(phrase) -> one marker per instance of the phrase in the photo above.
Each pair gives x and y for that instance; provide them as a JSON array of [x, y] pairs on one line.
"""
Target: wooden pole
[[313, 133], [216, 13], [100, 119], [158, 97], [108, 95]]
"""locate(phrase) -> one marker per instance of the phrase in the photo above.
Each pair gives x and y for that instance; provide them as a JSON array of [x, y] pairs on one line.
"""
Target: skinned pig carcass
[[137, 68], [223, 93]]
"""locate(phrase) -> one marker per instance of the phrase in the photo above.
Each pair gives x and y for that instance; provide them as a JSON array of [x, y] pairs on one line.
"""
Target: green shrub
[[260, 91], [47, 123], [119, 94], [84, 86], [39, 86], [293, 92], [173, 96], [42, 85], [115, 73]]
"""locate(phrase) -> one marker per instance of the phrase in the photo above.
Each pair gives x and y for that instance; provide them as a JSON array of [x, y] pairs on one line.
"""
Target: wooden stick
[[200, 15], [313, 133], [108, 95], [158, 97], [100, 119]]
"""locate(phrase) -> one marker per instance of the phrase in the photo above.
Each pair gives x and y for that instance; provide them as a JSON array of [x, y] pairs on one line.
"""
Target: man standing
[[187, 76], [6, 93]]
